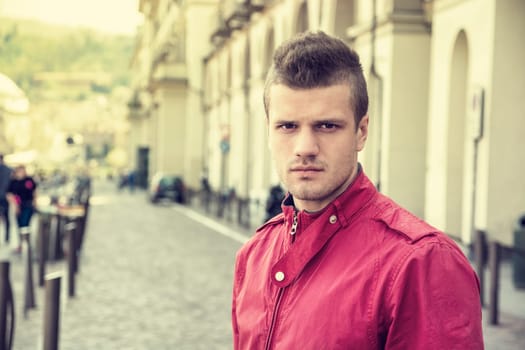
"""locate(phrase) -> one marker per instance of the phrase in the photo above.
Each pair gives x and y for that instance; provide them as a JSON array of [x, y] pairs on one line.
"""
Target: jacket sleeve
[[235, 327], [434, 301]]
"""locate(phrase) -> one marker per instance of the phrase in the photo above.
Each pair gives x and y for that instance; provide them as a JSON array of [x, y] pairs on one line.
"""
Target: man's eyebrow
[[328, 120], [331, 121], [284, 121]]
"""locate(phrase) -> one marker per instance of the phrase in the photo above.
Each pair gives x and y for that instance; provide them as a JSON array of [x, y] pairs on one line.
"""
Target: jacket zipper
[[274, 318], [293, 230], [280, 292]]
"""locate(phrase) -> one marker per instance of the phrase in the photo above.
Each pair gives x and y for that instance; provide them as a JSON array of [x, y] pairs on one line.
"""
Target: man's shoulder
[[404, 237], [271, 223], [263, 234], [402, 222]]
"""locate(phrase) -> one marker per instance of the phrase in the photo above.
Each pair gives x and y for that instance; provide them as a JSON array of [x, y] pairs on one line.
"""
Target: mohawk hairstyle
[[311, 60]]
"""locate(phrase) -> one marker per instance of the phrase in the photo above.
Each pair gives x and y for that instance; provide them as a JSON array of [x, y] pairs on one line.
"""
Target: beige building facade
[[165, 113], [444, 80]]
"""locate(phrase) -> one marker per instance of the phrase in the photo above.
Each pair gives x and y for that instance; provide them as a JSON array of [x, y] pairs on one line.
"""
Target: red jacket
[[362, 274]]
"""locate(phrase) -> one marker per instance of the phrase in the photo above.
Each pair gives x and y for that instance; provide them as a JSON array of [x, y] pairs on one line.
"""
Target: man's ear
[[362, 132]]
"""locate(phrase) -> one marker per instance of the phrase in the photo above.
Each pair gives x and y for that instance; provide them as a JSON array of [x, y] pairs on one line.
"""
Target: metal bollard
[[71, 258], [80, 222], [29, 290], [74, 215], [86, 213], [52, 253], [56, 238], [6, 303], [480, 255], [52, 312], [248, 220], [220, 204], [59, 236], [494, 262], [81, 230], [206, 197], [43, 242]]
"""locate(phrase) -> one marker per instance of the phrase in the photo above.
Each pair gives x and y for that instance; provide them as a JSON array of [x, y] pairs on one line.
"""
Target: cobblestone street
[[150, 278], [159, 277]]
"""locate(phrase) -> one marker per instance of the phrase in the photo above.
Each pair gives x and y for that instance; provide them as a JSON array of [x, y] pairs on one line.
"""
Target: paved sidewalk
[[149, 278], [510, 332]]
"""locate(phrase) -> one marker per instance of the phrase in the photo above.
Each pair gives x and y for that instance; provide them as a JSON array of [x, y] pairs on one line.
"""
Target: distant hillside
[[29, 47]]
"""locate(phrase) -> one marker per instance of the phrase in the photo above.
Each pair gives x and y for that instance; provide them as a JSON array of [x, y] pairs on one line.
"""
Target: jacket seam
[[371, 324]]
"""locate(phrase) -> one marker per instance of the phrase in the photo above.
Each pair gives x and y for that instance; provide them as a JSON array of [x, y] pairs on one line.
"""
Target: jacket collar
[[345, 206], [339, 213]]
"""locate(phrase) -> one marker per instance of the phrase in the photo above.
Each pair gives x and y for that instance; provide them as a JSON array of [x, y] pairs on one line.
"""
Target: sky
[[111, 16]]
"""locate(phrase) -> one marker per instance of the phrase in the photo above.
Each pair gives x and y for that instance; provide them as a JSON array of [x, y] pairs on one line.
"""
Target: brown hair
[[311, 60]]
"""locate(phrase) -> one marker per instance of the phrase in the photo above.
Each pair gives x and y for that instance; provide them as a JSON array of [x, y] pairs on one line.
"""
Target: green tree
[[29, 47]]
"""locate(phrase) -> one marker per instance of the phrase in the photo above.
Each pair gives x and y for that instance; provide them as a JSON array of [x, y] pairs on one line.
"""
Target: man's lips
[[305, 169]]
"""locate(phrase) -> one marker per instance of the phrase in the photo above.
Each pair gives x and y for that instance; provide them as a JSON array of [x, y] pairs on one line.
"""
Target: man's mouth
[[304, 170]]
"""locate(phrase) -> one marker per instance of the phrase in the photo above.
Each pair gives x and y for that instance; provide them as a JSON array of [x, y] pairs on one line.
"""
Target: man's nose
[[306, 144]]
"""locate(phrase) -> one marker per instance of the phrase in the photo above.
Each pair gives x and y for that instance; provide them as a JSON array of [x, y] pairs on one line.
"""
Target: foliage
[[29, 47]]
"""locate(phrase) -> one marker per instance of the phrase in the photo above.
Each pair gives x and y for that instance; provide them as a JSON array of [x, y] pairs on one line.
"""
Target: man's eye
[[286, 126], [328, 126]]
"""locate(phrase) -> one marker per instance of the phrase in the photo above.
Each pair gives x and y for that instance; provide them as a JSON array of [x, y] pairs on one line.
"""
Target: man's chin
[[307, 194]]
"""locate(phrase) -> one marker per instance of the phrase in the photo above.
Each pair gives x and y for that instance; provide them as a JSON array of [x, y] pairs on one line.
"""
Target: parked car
[[167, 186]]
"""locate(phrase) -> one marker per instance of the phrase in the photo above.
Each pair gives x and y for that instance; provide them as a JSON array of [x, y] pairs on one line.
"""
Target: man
[[5, 177], [343, 267], [21, 192]]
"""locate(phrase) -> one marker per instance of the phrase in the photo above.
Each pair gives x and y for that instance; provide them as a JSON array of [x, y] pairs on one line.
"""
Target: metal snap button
[[279, 276], [333, 219]]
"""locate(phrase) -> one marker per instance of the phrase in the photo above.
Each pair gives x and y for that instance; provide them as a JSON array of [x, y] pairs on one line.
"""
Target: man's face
[[314, 142]]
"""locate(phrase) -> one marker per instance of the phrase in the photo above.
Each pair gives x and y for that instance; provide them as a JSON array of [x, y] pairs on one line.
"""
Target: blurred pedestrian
[[82, 189], [131, 180], [123, 180], [273, 203], [22, 194], [344, 267], [5, 178]]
